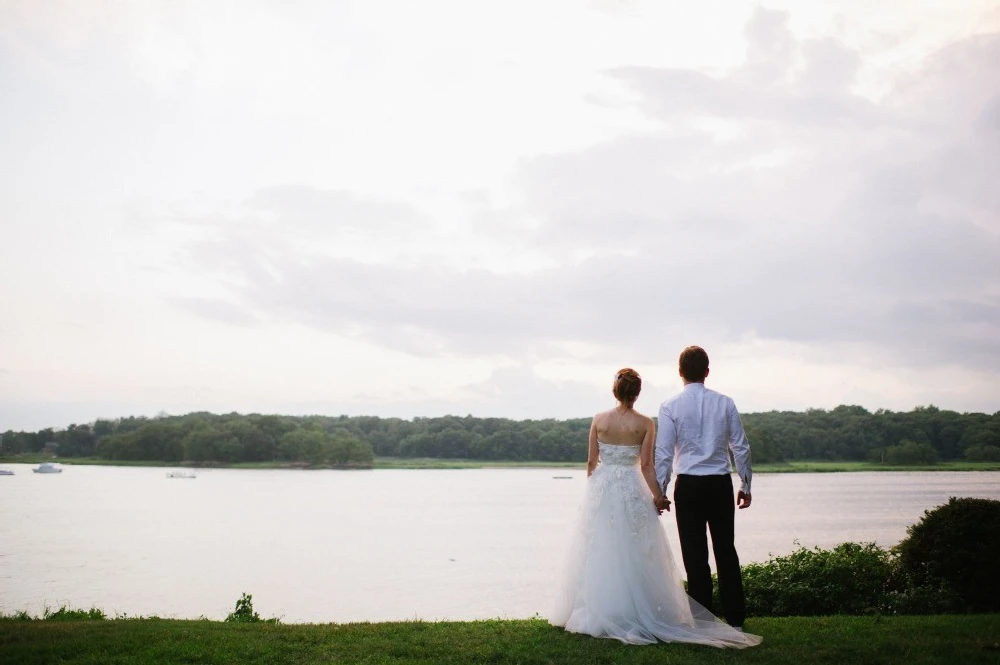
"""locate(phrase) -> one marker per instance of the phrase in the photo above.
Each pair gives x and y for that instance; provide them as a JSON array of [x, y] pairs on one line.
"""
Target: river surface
[[320, 546]]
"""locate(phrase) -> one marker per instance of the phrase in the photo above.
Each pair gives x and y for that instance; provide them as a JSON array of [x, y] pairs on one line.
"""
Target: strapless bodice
[[618, 455]]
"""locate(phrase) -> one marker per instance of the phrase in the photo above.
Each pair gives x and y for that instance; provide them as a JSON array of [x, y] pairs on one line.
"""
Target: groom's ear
[[707, 370]]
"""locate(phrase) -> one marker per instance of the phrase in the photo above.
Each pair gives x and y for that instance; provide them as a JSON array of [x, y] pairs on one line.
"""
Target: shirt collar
[[694, 386]]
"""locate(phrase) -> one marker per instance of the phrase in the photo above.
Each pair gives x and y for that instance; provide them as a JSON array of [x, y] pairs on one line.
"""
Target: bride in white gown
[[620, 581]]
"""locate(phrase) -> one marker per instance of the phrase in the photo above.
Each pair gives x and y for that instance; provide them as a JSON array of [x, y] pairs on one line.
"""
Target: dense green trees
[[203, 437], [924, 435]]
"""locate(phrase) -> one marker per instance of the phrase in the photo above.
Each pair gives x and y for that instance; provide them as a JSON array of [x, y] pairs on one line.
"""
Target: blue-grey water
[[319, 546]]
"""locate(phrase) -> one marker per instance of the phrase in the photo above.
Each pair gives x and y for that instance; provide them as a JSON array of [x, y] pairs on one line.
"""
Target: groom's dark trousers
[[701, 501]]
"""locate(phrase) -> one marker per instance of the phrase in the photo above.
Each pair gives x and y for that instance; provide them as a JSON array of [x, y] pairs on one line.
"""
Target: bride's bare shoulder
[[644, 422], [638, 415]]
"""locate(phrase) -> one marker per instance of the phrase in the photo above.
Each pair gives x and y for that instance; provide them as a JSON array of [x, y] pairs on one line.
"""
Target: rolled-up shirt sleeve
[[666, 443], [740, 446]]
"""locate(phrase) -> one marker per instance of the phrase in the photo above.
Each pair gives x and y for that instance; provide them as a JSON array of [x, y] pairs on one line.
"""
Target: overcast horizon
[[421, 209]]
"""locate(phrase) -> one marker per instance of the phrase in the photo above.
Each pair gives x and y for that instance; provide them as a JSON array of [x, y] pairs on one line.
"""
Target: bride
[[621, 581]]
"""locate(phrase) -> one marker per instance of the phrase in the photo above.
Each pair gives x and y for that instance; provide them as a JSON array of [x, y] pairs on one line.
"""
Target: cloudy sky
[[423, 208]]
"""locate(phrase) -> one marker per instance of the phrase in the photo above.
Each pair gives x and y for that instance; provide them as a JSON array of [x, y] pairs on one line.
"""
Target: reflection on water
[[318, 546]]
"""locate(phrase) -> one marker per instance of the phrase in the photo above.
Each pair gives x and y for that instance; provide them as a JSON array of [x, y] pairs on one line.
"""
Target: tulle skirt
[[620, 580]]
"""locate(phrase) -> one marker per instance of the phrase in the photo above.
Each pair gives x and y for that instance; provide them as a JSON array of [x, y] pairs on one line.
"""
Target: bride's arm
[[646, 460], [593, 454]]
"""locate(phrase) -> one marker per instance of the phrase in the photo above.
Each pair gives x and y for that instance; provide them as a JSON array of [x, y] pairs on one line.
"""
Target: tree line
[[924, 435]]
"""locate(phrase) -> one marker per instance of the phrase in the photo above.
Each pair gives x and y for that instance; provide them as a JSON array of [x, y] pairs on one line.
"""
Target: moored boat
[[47, 467]]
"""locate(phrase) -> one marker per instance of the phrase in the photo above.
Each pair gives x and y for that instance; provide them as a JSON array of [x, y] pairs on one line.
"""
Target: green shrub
[[852, 578], [244, 612], [955, 547], [924, 600]]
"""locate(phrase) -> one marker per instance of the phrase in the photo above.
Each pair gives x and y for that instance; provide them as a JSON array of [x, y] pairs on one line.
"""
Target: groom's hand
[[743, 499], [662, 503]]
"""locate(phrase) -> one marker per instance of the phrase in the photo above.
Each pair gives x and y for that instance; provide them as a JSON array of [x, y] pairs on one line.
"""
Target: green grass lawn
[[965, 640]]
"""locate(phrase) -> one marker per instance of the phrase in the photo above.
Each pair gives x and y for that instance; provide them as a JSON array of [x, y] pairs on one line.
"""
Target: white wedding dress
[[620, 580]]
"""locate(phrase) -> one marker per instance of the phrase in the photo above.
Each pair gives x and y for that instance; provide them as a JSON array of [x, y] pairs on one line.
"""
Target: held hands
[[661, 503], [743, 499]]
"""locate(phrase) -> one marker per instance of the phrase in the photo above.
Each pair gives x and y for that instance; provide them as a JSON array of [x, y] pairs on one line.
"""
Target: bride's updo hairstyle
[[628, 383]]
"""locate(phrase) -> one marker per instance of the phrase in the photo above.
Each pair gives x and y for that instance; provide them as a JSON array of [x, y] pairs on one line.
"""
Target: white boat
[[180, 473], [5, 472], [47, 467]]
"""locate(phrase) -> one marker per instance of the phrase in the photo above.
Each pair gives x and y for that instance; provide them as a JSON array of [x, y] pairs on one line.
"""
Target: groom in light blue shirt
[[696, 430]]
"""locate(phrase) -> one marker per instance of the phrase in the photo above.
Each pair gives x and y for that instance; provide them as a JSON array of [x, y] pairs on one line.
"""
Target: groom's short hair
[[694, 364]]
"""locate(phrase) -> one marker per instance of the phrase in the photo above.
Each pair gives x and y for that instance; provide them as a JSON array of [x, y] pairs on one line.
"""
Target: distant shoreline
[[382, 463]]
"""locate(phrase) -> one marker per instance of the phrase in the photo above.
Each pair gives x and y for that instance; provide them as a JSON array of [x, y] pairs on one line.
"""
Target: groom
[[695, 432]]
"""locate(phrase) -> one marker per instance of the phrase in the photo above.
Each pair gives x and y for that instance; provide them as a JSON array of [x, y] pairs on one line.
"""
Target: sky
[[488, 208]]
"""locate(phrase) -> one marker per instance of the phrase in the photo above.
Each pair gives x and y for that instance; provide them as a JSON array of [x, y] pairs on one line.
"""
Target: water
[[320, 546]]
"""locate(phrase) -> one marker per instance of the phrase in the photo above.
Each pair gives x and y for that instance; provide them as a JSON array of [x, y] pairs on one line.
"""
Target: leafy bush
[[924, 600], [852, 578], [954, 547], [244, 612]]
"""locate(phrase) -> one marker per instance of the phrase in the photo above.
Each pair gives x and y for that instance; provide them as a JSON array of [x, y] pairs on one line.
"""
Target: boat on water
[[6, 472], [180, 473], [47, 467]]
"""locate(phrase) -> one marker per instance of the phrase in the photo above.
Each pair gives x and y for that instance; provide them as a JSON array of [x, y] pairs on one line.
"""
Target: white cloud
[[372, 207]]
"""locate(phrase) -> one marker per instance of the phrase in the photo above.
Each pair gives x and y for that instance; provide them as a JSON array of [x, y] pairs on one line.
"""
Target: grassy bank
[[830, 467], [969, 640], [782, 467], [379, 463], [97, 461], [435, 463], [38, 459]]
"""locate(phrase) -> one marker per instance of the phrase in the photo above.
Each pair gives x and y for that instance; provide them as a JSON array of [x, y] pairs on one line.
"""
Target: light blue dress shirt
[[695, 431]]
